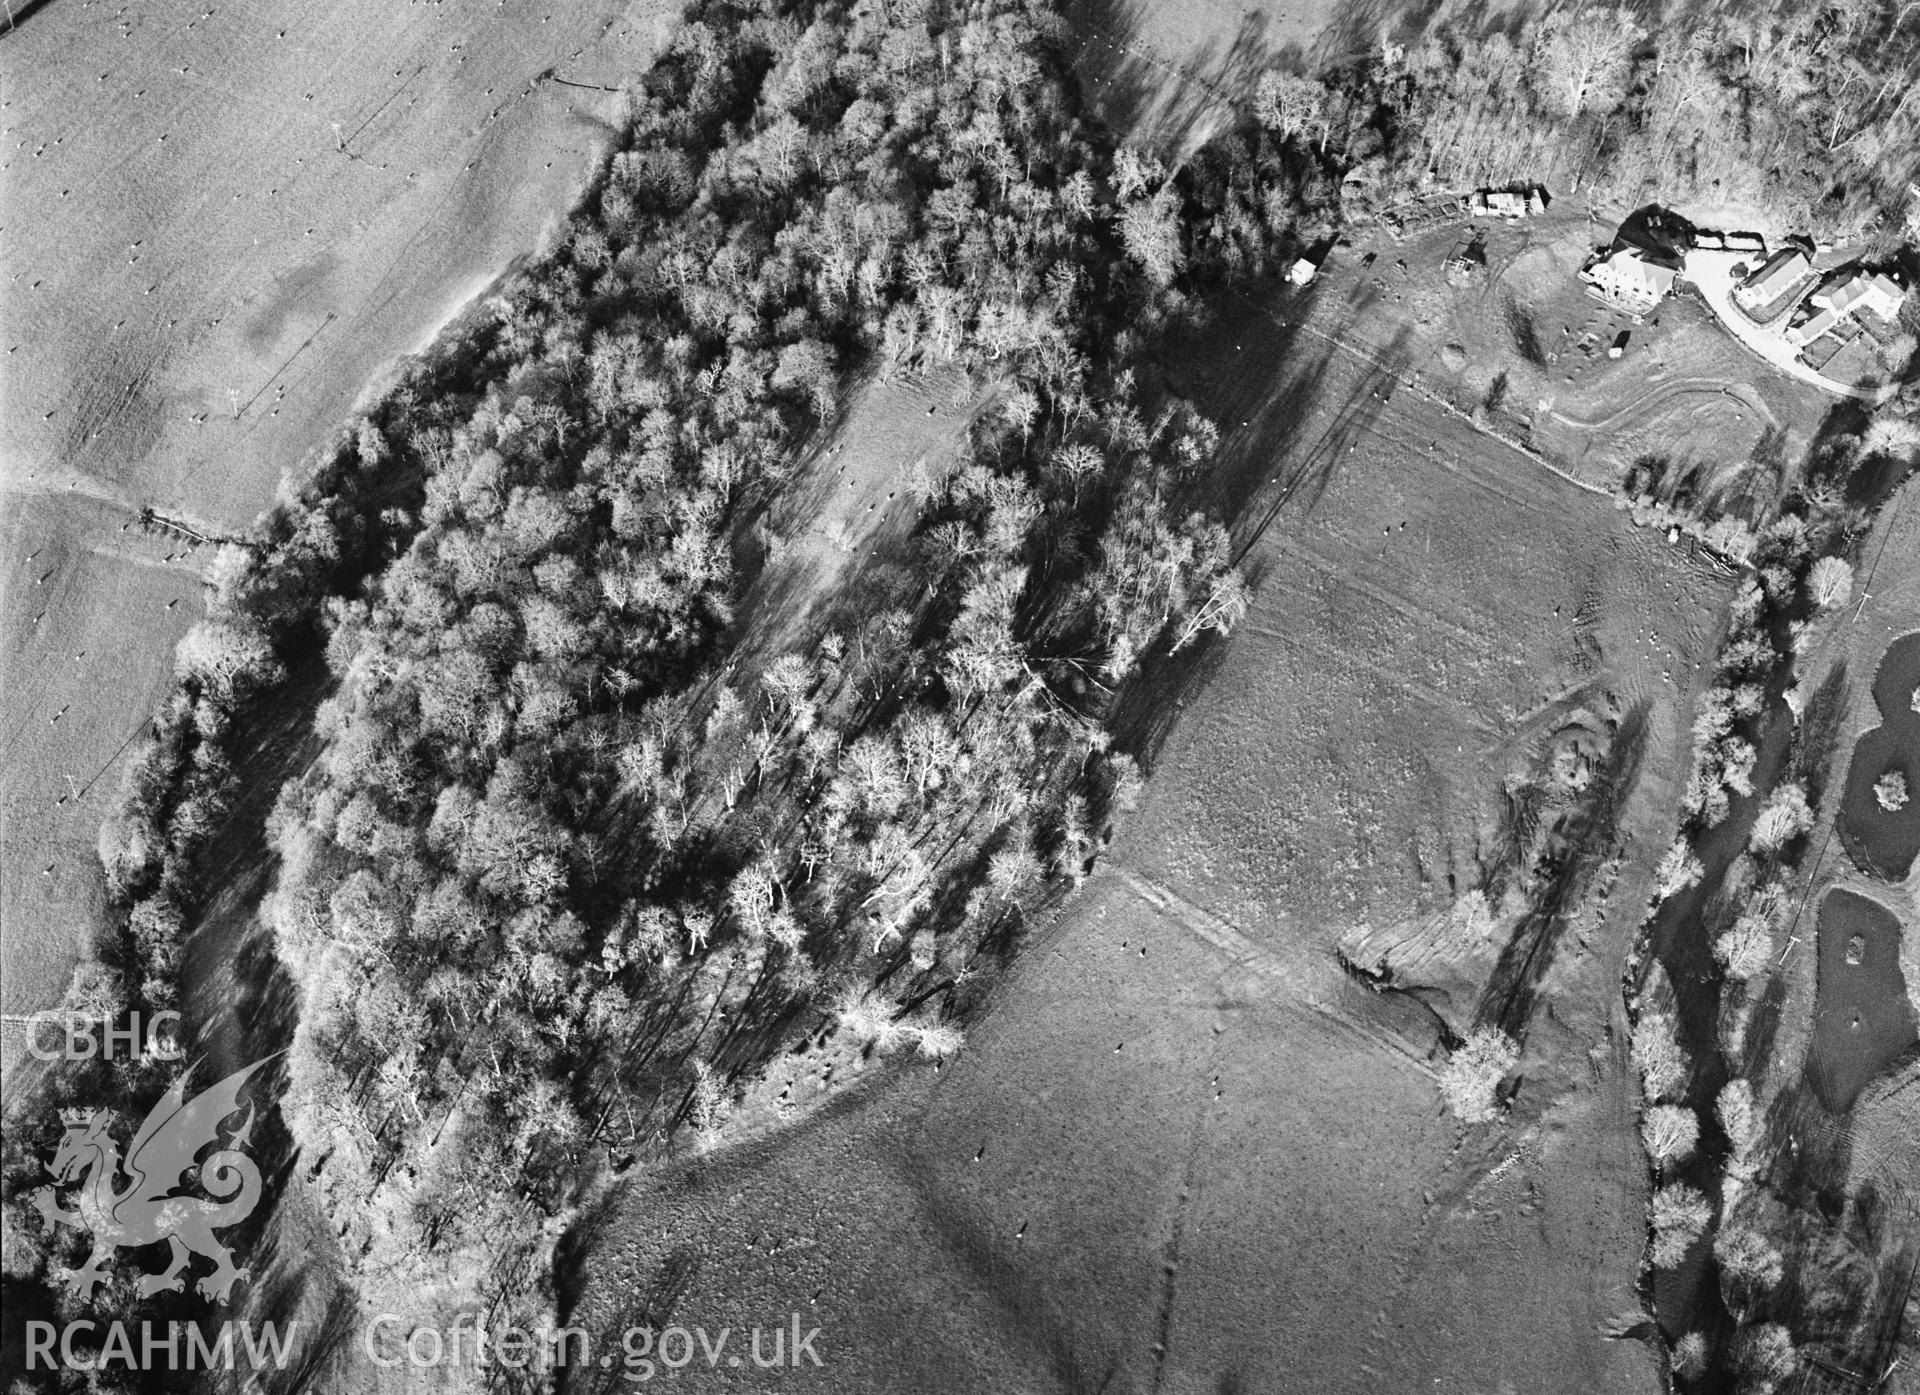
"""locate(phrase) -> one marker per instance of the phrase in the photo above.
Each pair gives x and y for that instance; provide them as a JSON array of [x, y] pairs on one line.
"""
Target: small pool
[[1862, 1019], [1882, 841]]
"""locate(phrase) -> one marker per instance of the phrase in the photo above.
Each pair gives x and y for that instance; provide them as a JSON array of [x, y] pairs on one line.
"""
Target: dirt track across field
[[1160, 1166], [1186, 1151]]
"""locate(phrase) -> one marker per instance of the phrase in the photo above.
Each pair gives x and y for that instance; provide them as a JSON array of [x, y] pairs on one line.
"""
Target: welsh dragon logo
[[154, 1205]]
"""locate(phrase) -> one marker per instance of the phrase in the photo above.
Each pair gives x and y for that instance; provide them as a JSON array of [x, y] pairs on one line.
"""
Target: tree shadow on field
[[18, 14], [1763, 1028], [288, 1270], [1023, 1299], [1583, 840], [800, 588], [239, 1001], [1254, 499], [1805, 1150], [1261, 376], [236, 996], [1176, 99], [654, 1300], [1357, 27], [794, 502], [1850, 1260], [655, 1293], [1170, 101], [1816, 737]]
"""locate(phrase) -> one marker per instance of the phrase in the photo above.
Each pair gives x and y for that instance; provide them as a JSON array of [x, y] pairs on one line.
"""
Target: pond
[[1883, 841], [1862, 1018]]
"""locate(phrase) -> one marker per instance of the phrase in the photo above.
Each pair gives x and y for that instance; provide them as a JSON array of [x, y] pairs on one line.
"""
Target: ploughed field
[[221, 223]]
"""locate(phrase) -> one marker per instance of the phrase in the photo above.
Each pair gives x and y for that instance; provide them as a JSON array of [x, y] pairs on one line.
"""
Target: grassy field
[[222, 225], [1174, 74], [839, 531], [1186, 1150], [1165, 1171], [1431, 601], [90, 613]]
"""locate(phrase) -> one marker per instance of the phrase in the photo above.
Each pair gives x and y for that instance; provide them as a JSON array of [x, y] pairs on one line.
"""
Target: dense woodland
[[565, 872], [557, 879], [1805, 114], [562, 872]]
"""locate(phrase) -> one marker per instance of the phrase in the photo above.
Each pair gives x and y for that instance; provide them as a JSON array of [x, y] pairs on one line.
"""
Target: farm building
[[1877, 294], [1837, 256], [1811, 329], [1780, 273], [1506, 203], [1632, 278], [1744, 242], [1302, 272]]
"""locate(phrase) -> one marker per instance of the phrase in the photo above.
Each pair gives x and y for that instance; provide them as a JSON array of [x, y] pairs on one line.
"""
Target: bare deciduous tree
[[1150, 231], [1784, 817], [1677, 871], [1470, 1081], [1680, 1217], [1659, 1057], [1830, 583], [1290, 105], [1669, 1132], [1583, 58]]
